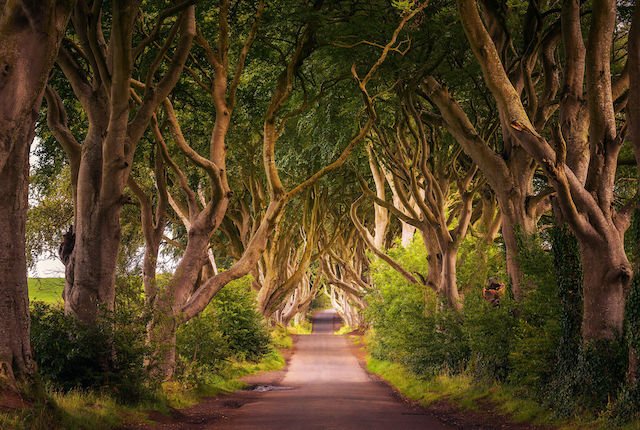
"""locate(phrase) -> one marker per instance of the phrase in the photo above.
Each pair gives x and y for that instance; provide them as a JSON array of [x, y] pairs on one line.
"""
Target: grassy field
[[48, 290]]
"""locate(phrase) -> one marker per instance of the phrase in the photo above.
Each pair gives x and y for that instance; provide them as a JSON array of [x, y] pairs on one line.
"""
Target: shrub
[[537, 331], [489, 331], [107, 356], [407, 328], [200, 341], [230, 327], [234, 308]]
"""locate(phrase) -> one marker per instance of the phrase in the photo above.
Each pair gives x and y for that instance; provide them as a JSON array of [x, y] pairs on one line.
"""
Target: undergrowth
[[465, 391], [94, 377]]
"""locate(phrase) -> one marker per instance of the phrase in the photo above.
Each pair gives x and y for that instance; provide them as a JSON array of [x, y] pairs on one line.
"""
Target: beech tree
[[178, 303], [580, 157], [30, 34], [426, 170], [100, 74]]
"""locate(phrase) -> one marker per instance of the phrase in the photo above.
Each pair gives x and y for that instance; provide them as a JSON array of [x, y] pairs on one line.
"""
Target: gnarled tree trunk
[[30, 35]]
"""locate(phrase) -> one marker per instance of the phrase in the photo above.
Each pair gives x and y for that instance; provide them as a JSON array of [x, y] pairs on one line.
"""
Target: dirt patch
[[212, 409], [447, 412]]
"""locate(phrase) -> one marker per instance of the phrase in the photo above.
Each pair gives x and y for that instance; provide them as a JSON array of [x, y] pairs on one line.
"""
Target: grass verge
[[345, 329], [469, 394], [80, 410], [304, 327]]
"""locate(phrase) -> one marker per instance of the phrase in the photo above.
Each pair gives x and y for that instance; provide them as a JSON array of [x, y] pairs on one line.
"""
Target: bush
[[489, 331], [246, 333], [537, 331], [407, 329], [200, 341], [229, 328], [108, 356]]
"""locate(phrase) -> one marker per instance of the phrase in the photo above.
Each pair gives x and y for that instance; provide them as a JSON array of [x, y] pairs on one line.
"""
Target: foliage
[[79, 409], [108, 356], [490, 332], [537, 330], [632, 311], [319, 302], [408, 329], [523, 344], [633, 314], [626, 406], [229, 328], [49, 215], [568, 273], [305, 327], [477, 262], [600, 372], [239, 322]]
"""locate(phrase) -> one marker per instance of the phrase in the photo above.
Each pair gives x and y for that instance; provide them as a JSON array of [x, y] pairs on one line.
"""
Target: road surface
[[328, 390]]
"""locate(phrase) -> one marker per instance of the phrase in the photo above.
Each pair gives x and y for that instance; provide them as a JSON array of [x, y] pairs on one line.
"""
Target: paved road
[[329, 391]]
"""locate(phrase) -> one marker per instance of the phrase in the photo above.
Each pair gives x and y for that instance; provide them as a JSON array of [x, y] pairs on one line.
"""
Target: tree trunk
[[30, 35], [161, 332], [512, 226], [107, 153], [605, 283], [407, 234], [15, 350], [94, 260], [509, 235], [434, 260], [448, 286], [149, 268]]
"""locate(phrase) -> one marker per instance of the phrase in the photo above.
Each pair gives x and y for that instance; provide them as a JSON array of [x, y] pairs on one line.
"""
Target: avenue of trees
[[460, 176]]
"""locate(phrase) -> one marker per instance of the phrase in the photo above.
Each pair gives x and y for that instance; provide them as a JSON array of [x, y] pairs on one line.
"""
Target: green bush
[[537, 331], [229, 328], [407, 329], [601, 371], [108, 356], [490, 332], [239, 322], [477, 262], [200, 341]]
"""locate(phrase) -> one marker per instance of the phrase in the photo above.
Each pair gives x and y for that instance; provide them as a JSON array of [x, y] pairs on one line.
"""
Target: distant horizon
[[49, 268]]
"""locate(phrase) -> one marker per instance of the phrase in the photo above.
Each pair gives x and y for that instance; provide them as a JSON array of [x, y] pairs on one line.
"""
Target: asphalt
[[325, 388]]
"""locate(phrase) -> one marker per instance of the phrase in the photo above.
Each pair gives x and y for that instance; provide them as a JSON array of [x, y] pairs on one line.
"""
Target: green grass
[[73, 410], [469, 394], [344, 330], [48, 290], [304, 327]]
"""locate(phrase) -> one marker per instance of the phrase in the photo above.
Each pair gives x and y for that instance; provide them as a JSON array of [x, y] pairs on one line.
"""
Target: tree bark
[[15, 350], [30, 35], [606, 281], [448, 285]]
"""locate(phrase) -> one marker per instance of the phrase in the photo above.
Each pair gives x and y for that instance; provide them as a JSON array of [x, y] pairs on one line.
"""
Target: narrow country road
[[329, 390]]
